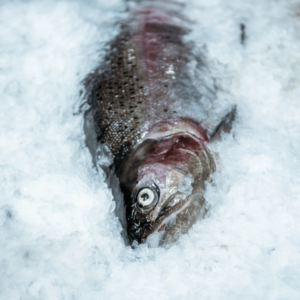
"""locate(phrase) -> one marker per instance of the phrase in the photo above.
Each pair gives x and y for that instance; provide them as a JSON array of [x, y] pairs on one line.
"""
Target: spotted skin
[[137, 103]]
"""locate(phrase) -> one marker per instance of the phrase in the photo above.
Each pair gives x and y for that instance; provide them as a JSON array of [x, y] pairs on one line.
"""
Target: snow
[[59, 236]]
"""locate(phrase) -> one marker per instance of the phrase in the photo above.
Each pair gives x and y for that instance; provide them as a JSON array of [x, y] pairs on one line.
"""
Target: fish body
[[145, 108]]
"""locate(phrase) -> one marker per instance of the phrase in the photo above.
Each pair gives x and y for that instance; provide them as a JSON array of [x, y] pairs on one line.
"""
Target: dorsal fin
[[225, 125]]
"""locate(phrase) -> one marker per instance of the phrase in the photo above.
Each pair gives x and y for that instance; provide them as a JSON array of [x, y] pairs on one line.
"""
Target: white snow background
[[59, 236]]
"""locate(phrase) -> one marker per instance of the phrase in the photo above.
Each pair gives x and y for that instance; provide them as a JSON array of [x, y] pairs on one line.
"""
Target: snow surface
[[59, 236]]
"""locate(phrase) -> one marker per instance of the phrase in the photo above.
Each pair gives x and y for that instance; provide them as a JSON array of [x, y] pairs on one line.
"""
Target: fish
[[144, 105]]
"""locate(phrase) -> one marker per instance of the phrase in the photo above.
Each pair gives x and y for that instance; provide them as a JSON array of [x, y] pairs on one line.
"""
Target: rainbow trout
[[146, 107]]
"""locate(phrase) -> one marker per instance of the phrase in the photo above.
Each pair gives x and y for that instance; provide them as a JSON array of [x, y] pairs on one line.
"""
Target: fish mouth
[[166, 225], [166, 220]]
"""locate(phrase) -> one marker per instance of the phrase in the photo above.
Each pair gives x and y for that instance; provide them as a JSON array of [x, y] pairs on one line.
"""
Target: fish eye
[[146, 197]]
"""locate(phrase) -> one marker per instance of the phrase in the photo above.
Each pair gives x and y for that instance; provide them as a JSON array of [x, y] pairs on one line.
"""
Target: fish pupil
[[145, 197]]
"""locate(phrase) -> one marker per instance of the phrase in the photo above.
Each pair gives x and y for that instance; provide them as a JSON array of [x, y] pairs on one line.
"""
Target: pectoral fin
[[225, 125]]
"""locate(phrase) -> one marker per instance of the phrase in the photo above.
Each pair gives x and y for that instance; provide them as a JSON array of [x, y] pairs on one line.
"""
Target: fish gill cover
[[60, 237]]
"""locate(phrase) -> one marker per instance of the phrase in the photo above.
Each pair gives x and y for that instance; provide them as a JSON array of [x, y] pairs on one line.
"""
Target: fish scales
[[145, 108], [121, 97], [141, 83]]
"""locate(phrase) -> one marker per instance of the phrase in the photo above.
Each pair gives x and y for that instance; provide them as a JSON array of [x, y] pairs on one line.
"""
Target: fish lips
[[162, 224]]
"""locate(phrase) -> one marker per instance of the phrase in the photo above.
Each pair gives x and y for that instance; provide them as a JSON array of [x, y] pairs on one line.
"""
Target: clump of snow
[[59, 235], [185, 184]]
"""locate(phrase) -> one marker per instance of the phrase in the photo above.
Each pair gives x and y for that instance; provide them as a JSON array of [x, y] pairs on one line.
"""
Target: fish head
[[163, 181]]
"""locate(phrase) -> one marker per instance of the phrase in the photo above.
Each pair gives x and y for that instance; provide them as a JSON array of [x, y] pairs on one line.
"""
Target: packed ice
[[60, 237], [185, 184]]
